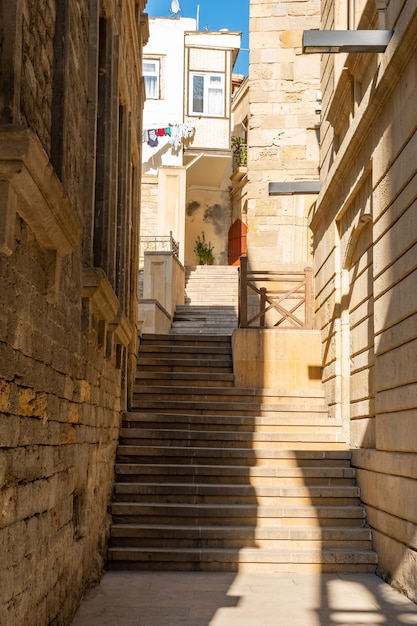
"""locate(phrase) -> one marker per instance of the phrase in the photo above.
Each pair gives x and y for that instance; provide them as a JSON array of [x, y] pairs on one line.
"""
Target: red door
[[237, 241]]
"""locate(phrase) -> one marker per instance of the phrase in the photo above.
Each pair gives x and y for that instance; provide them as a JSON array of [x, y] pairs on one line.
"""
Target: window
[[151, 76], [206, 94]]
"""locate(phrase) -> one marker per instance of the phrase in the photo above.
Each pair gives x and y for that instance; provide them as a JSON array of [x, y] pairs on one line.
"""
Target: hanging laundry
[[175, 132], [175, 139], [152, 138], [188, 129], [180, 132]]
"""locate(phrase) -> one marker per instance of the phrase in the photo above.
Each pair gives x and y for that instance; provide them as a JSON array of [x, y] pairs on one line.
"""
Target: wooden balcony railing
[[269, 299]]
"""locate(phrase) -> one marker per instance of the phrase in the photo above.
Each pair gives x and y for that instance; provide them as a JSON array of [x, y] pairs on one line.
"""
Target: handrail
[[159, 243], [275, 298]]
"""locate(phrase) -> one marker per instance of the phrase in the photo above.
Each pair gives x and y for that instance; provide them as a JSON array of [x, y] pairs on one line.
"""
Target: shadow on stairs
[[212, 477]]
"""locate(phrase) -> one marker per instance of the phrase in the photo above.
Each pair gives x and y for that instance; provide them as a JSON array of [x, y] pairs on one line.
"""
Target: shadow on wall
[[212, 218], [155, 161]]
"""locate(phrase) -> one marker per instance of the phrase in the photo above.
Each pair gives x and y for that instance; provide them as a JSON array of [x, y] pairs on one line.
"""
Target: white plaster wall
[[166, 41]]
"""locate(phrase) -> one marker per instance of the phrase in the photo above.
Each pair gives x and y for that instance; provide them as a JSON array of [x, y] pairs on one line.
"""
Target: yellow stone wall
[[283, 131], [289, 360], [365, 241]]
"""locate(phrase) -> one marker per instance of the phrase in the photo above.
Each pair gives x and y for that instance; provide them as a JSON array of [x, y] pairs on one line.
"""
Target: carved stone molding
[[97, 290], [122, 329], [100, 301], [29, 187]]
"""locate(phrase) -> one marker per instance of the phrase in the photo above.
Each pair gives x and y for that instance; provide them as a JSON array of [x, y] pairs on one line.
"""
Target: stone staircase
[[211, 301], [213, 477]]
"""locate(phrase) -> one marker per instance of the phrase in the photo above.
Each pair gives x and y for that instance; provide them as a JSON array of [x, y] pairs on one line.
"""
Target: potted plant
[[204, 250], [240, 150]]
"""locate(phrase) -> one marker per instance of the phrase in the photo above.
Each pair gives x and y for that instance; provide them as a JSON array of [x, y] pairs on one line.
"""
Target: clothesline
[[175, 132]]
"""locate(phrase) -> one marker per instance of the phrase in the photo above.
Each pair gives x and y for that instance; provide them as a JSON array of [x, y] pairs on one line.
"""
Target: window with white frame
[[151, 77], [206, 94]]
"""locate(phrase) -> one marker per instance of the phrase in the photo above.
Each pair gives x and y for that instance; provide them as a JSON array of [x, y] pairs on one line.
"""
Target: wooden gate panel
[[237, 241]]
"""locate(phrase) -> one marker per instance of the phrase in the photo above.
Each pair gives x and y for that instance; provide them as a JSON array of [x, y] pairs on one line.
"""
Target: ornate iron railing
[[269, 299], [158, 243]]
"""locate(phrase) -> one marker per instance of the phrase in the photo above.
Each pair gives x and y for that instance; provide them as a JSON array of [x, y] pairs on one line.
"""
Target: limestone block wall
[[149, 207], [59, 420], [365, 239], [240, 118], [283, 131], [68, 289]]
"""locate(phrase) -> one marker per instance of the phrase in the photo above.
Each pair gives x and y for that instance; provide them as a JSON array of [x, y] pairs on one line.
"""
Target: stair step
[[190, 340], [218, 478], [221, 285], [246, 514], [207, 310], [282, 474], [211, 407], [258, 396], [187, 365], [167, 493], [179, 351], [237, 537], [221, 331], [193, 378], [239, 533], [203, 325], [206, 456], [254, 559], [291, 458], [135, 438], [284, 421]]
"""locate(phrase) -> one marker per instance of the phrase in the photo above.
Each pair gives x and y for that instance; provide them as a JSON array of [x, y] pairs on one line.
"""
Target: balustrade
[[275, 299]]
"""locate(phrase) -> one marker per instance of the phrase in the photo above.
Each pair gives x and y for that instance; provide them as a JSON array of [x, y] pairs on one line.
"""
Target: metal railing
[[158, 243], [269, 299]]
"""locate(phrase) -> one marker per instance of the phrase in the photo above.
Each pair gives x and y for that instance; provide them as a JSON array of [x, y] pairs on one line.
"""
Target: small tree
[[204, 250]]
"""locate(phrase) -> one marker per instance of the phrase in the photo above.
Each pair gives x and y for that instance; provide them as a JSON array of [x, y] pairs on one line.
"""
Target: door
[[237, 241]]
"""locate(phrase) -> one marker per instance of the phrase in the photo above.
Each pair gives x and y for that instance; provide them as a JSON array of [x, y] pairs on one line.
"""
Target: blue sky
[[216, 14]]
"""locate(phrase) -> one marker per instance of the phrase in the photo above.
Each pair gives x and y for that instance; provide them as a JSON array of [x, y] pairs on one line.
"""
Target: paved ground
[[210, 599]]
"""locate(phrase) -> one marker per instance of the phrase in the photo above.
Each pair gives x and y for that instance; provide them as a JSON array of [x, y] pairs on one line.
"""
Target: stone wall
[[283, 131], [68, 311], [365, 238], [209, 212]]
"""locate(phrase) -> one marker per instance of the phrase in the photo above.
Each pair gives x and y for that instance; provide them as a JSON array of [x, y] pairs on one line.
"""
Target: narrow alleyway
[[226, 599]]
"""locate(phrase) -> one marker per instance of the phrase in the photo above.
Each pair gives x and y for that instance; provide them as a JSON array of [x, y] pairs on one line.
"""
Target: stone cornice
[[103, 304], [402, 45], [122, 329], [42, 202], [30, 188], [97, 289]]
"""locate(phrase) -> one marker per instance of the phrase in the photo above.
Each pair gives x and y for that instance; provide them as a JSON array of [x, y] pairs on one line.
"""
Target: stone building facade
[[185, 183], [71, 98], [283, 132], [365, 238], [363, 233]]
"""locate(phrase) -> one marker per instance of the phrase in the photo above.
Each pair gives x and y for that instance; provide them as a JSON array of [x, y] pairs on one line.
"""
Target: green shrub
[[204, 250]]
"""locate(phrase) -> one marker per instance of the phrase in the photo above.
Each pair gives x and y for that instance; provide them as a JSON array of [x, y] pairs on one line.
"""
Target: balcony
[[240, 155]]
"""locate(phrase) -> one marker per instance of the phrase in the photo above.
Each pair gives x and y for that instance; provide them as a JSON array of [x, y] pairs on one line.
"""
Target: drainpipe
[[351, 15]]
